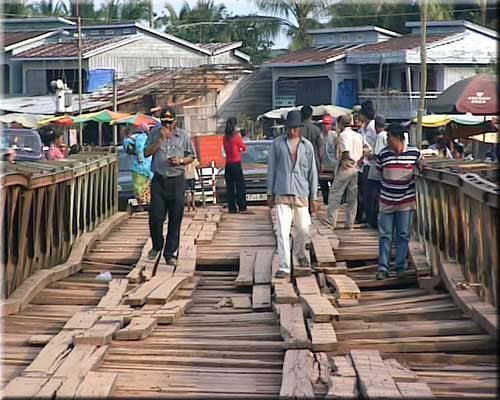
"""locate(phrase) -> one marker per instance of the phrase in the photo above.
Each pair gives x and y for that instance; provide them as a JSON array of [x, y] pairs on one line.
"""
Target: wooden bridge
[[220, 326]]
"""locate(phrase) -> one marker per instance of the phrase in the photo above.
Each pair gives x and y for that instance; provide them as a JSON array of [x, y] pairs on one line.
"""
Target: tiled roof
[[10, 38], [68, 48], [398, 44], [311, 55], [213, 47]]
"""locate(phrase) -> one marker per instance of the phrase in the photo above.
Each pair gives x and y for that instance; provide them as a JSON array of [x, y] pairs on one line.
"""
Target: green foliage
[[17, 9]]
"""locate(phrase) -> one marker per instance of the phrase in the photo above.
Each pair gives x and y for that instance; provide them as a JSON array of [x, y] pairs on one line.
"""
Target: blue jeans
[[400, 222]]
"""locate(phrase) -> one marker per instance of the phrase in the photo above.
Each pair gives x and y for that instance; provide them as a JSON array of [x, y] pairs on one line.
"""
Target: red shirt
[[233, 148]]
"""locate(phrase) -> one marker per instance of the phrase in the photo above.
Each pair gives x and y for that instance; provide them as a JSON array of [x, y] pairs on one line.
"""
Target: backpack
[[130, 147]]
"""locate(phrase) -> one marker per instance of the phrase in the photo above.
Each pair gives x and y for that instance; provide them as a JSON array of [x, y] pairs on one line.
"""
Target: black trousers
[[235, 186], [362, 201], [167, 196], [372, 200]]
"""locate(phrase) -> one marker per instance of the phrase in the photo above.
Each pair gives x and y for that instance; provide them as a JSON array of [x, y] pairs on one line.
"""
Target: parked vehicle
[[26, 143], [254, 163]]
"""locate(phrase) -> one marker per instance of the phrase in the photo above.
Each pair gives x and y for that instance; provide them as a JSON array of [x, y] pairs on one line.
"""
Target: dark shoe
[[282, 274], [153, 254], [381, 275], [171, 261], [233, 212], [304, 262], [401, 273]]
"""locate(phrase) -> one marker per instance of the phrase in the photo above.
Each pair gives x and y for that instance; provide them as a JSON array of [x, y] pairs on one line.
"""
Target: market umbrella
[[63, 120], [105, 116], [26, 120], [477, 95], [137, 120]]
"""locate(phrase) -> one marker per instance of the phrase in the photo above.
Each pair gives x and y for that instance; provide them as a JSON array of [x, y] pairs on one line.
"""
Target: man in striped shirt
[[396, 165]]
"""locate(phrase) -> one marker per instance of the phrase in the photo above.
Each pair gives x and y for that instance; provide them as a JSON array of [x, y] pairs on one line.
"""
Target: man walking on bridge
[[292, 182], [172, 150], [396, 165]]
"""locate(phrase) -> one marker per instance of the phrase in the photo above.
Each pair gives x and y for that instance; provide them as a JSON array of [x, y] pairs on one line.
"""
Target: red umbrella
[[477, 95]]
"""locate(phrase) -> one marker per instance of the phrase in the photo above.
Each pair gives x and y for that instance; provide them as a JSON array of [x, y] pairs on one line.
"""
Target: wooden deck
[[393, 339]]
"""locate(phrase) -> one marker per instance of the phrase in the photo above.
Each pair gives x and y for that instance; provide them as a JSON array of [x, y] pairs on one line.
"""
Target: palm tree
[[86, 10], [134, 10], [51, 8], [110, 11], [305, 12], [17, 9]]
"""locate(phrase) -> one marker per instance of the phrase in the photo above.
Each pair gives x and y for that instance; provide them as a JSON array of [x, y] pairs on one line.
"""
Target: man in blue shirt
[[292, 182], [171, 149]]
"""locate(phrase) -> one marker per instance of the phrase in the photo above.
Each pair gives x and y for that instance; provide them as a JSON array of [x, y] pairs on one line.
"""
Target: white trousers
[[301, 219]]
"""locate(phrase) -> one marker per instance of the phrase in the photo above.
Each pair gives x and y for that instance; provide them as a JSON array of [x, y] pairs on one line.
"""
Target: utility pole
[[423, 69], [80, 83], [115, 108], [151, 15]]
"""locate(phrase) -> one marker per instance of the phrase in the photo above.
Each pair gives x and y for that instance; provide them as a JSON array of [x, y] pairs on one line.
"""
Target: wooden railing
[[458, 210], [47, 205]]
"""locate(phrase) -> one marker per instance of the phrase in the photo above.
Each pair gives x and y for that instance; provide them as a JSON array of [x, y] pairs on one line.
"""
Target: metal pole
[[423, 69], [380, 68], [151, 15], [80, 83], [115, 108]]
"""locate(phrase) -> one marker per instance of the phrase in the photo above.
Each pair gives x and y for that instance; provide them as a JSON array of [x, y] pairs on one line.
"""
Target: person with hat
[[172, 150], [328, 157], [346, 178], [292, 181]]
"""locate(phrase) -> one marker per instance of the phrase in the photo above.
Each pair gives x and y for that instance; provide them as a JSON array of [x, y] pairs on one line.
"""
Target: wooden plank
[[49, 390], [98, 385], [263, 266], [319, 308], [38, 340], [241, 302], [323, 337], [322, 251], [116, 290], [345, 287], [374, 380], [307, 285], [81, 320], [138, 297], [138, 329], [82, 359], [261, 297], [296, 379], [52, 355], [166, 290], [342, 387], [284, 293], [171, 310], [415, 390], [23, 387], [398, 372], [246, 271], [101, 333], [342, 366], [292, 327]]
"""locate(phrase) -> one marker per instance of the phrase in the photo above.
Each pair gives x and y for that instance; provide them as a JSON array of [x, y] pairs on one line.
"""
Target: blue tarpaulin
[[347, 93], [97, 78]]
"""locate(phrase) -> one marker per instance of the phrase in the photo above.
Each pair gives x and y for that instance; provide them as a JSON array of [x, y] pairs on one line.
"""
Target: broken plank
[[138, 297], [296, 379], [263, 266], [23, 387], [52, 355], [101, 333], [245, 274], [82, 359], [342, 387], [319, 308], [292, 327], [261, 297]]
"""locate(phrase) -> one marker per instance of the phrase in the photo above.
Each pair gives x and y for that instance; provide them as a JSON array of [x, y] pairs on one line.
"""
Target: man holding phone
[[172, 150]]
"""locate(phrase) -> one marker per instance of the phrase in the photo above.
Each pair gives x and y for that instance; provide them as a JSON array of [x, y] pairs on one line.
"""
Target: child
[[191, 176]]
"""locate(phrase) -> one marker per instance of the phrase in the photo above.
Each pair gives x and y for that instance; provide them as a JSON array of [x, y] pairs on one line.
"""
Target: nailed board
[[263, 266], [307, 285], [323, 337], [345, 287], [323, 252], [261, 297], [293, 327], [246, 271], [296, 382], [319, 308]]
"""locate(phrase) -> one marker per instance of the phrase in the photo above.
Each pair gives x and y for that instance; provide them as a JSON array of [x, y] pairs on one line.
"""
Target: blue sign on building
[[98, 78]]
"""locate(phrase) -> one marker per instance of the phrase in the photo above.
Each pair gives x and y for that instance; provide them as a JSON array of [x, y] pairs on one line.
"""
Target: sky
[[235, 7]]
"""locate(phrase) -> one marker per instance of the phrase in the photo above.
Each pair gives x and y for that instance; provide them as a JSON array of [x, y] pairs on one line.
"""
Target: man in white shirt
[[346, 178]]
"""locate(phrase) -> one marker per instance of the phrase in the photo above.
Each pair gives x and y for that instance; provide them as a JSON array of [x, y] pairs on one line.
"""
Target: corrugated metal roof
[[311, 55], [219, 47], [69, 48], [10, 38], [399, 44]]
